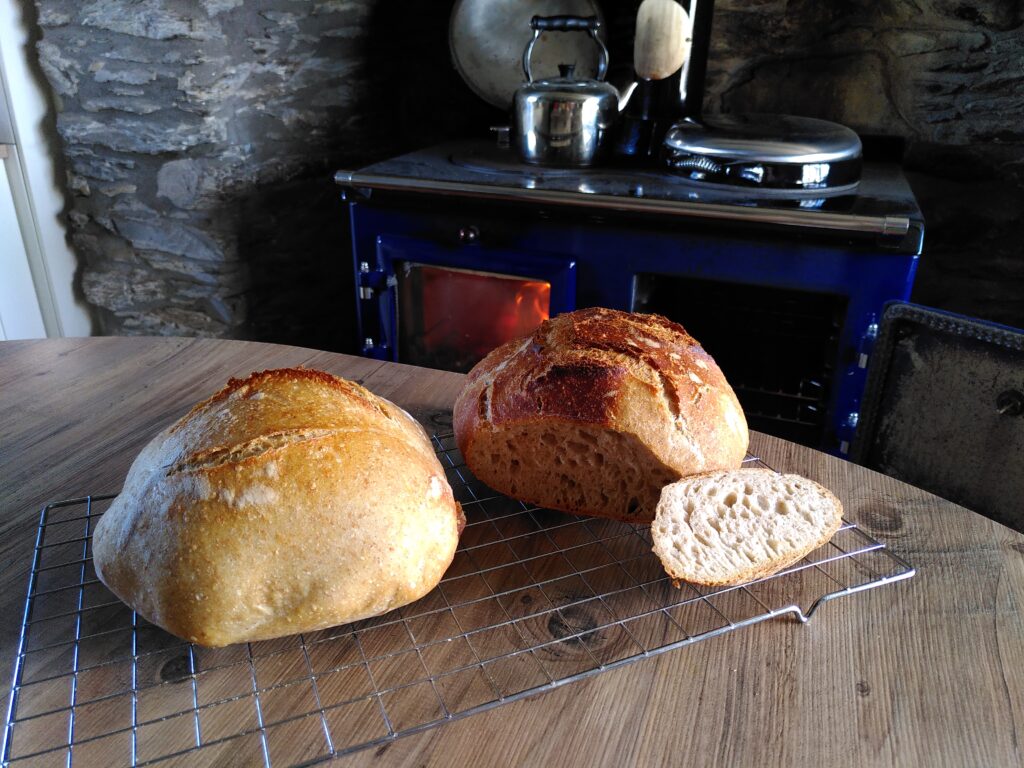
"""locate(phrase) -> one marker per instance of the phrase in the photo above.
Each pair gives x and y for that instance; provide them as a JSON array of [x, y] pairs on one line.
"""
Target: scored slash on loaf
[[596, 412]]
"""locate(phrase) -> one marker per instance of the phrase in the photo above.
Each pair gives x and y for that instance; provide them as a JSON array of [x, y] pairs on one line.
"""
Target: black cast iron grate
[[533, 600]]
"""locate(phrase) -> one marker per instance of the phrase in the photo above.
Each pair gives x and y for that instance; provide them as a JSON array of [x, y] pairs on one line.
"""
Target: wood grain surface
[[928, 671]]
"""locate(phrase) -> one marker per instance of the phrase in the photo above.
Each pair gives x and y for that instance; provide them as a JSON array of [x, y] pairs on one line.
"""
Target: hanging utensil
[[661, 48], [662, 41]]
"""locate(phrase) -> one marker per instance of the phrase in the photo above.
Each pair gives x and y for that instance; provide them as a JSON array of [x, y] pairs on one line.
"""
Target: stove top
[[881, 205], [624, 182]]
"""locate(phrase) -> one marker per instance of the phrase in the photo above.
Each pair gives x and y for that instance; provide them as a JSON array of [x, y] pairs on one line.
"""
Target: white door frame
[[20, 314], [36, 200]]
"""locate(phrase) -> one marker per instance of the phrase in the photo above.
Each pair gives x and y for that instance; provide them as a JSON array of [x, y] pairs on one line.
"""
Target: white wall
[[36, 201], [20, 316]]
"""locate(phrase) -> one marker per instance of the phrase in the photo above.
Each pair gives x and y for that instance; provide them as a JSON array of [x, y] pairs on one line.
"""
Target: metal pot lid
[[487, 37], [777, 151]]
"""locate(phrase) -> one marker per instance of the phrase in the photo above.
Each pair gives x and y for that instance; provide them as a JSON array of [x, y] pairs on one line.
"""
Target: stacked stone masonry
[[946, 76], [198, 138]]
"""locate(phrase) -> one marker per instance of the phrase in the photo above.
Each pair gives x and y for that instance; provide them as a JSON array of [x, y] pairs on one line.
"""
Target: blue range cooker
[[459, 247]]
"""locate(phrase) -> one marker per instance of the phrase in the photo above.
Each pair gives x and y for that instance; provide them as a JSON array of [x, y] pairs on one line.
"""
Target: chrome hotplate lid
[[765, 151]]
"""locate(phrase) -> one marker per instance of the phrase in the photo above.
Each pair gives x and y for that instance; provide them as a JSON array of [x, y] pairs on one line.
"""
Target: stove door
[[447, 307]]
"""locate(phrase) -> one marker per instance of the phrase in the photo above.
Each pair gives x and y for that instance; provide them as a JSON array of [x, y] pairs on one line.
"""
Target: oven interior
[[778, 347], [451, 318]]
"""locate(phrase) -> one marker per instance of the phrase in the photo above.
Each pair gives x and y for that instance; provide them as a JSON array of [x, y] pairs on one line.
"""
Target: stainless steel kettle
[[563, 121]]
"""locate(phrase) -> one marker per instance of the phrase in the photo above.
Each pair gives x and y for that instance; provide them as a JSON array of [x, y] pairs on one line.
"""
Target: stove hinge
[[374, 285], [858, 372]]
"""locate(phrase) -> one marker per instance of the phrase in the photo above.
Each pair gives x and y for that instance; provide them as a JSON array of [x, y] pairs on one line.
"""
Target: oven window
[[778, 348], [451, 318]]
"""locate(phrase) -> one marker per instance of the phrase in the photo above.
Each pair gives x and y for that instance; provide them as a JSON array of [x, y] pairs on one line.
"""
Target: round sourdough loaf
[[596, 412], [290, 501]]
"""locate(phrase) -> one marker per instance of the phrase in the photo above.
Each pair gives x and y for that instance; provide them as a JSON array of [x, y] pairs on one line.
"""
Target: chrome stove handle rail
[[885, 226]]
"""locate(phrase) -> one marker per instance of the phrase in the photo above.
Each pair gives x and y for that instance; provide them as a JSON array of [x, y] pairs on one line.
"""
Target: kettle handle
[[565, 24]]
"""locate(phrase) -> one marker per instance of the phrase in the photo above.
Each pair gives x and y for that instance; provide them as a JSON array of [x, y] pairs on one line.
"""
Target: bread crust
[[641, 376], [289, 501]]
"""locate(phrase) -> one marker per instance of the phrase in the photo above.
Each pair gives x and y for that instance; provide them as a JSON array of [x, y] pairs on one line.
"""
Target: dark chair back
[[943, 409]]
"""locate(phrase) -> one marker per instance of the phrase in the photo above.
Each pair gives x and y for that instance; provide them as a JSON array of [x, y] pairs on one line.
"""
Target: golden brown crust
[[255, 381], [275, 507], [638, 375]]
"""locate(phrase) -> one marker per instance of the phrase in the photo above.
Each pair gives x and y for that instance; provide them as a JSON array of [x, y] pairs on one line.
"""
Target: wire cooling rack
[[533, 600]]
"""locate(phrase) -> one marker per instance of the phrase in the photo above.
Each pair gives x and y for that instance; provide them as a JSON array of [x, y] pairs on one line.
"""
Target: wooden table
[[928, 671]]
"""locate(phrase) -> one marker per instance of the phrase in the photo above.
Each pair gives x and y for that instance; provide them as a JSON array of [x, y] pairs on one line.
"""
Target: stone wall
[[947, 76], [199, 137]]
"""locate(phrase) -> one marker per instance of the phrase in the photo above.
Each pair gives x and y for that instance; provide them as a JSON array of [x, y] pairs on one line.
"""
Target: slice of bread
[[730, 527]]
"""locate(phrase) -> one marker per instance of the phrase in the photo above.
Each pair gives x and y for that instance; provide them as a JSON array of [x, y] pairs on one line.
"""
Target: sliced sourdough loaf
[[730, 527], [596, 412]]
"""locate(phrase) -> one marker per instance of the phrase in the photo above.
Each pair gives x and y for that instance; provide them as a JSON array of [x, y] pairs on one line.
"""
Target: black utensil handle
[[565, 23]]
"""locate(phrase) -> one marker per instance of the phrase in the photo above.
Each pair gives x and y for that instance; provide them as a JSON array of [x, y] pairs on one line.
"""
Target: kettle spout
[[626, 93]]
